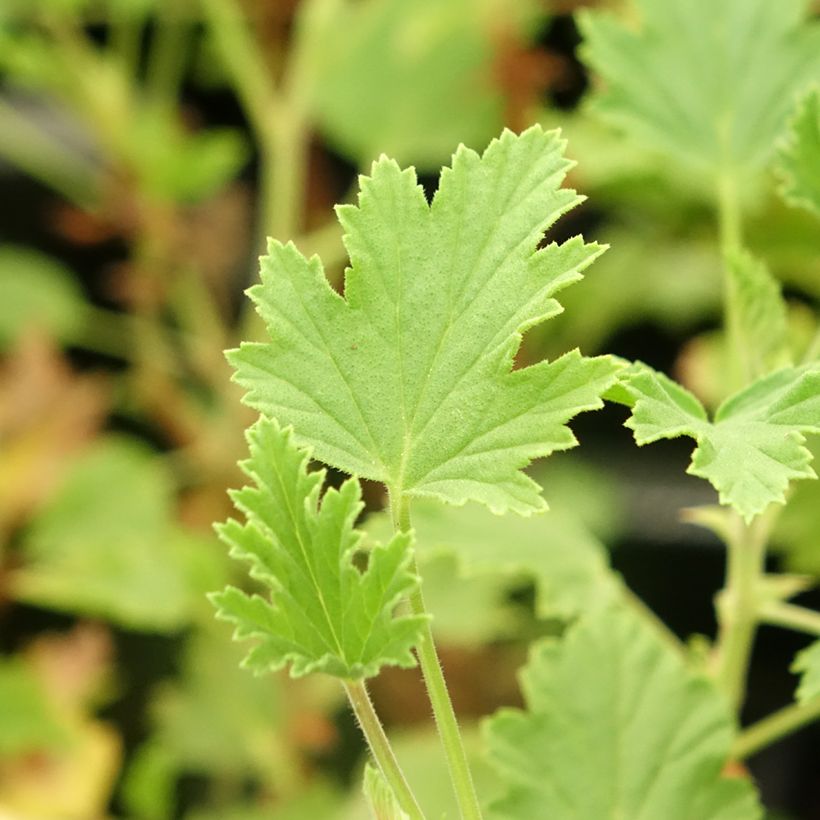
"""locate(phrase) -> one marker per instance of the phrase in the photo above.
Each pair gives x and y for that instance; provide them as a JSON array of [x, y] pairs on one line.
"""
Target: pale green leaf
[[754, 446], [709, 84], [411, 80], [107, 545], [406, 380], [38, 292], [380, 798], [799, 156], [324, 614], [616, 726], [807, 664], [763, 331]]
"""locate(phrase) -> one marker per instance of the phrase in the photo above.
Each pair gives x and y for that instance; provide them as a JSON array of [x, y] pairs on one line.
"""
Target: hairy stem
[[774, 727], [443, 711], [380, 747], [738, 605]]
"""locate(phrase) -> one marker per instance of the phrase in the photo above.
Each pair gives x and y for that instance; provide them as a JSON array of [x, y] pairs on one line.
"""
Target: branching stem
[[774, 727], [443, 711], [380, 747]]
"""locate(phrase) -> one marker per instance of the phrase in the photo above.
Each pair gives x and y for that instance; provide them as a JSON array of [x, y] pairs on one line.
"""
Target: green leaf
[[411, 80], [616, 726], [807, 663], [28, 722], [755, 445], [406, 380], [324, 615], [799, 156], [107, 545], [763, 332], [37, 292], [380, 797], [709, 84]]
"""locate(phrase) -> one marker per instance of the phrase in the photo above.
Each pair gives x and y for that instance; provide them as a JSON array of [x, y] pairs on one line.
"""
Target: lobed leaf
[[407, 379], [709, 84], [754, 446], [807, 663], [616, 726], [799, 156], [324, 614]]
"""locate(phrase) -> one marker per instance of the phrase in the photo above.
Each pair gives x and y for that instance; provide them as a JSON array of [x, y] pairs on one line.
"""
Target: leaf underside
[[615, 727], [324, 614], [408, 379], [710, 84], [754, 446]]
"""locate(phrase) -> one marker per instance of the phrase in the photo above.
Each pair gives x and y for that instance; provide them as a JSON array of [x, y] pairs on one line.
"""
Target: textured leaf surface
[[406, 380], [754, 446], [763, 332], [324, 614], [807, 663], [708, 83], [411, 80], [107, 544], [800, 155], [615, 727], [380, 797]]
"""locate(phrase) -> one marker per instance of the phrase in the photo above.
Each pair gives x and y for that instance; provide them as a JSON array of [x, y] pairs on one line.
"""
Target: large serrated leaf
[[754, 446], [406, 380], [710, 84], [615, 727], [324, 614]]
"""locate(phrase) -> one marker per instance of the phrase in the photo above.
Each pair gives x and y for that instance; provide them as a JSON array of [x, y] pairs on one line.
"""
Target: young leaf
[[380, 796], [709, 84], [800, 156], [755, 445], [325, 615], [615, 726], [807, 662], [763, 326], [406, 380]]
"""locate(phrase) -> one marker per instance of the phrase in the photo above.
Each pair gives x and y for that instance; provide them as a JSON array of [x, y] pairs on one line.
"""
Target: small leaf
[[755, 445], [762, 320], [799, 156], [807, 664], [380, 797], [324, 615], [615, 726], [709, 84], [407, 379]]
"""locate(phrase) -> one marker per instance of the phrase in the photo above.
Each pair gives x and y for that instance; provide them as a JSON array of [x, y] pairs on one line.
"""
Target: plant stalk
[[380, 747], [774, 727], [439, 696], [792, 616]]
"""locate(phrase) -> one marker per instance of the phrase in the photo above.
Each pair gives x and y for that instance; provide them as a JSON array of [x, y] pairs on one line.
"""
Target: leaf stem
[[737, 604], [439, 696], [774, 727], [380, 746], [791, 616]]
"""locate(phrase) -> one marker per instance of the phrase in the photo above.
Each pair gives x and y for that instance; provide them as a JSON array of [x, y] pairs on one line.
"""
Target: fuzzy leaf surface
[[754, 446], [407, 379], [615, 727], [710, 84], [807, 663], [324, 614], [799, 156]]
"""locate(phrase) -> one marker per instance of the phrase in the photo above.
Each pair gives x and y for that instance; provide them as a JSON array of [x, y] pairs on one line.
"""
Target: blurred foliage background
[[147, 147]]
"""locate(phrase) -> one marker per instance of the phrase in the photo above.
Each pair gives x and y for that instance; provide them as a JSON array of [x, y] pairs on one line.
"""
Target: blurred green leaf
[[380, 797], [38, 292], [799, 156], [410, 78], [28, 722], [106, 545], [807, 664], [615, 726], [709, 84]]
